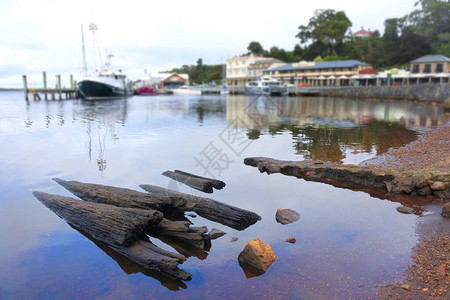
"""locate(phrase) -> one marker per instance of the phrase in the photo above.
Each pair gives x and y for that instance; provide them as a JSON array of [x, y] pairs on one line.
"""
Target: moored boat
[[104, 85], [265, 86], [147, 90]]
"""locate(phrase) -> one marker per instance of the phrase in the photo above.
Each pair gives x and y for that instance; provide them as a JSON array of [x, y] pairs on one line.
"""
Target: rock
[[191, 215], [405, 210], [256, 258], [233, 239], [216, 233], [286, 216], [290, 239], [438, 186], [446, 210], [407, 287], [441, 270]]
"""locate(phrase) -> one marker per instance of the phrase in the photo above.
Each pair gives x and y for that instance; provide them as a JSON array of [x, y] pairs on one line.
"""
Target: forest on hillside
[[327, 36]]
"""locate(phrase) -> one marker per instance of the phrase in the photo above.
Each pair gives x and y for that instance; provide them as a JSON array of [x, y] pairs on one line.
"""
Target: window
[[427, 68], [415, 69], [439, 68]]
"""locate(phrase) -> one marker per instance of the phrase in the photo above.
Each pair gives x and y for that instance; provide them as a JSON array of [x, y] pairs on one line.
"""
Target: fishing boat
[[265, 86], [103, 84]]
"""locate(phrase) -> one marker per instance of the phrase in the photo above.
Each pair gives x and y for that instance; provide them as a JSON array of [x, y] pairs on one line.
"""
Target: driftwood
[[181, 231], [357, 177], [118, 227], [125, 197], [194, 181], [210, 209], [113, 225]]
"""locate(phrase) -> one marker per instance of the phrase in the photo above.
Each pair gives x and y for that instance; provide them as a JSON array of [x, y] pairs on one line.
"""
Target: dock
[[57, 92], [292, 91]]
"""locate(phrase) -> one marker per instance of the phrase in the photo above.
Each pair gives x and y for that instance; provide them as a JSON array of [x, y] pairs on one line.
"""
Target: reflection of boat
[[265, 86], [104, 84], [185, 90]]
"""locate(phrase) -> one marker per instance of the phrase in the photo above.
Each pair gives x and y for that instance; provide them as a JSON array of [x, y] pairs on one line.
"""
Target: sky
[[147, 37]]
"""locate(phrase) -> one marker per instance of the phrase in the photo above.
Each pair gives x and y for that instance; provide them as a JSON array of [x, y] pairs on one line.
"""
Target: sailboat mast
[[84, 52]]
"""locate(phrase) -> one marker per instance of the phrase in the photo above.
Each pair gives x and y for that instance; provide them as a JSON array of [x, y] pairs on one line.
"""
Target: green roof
[[431, 58]]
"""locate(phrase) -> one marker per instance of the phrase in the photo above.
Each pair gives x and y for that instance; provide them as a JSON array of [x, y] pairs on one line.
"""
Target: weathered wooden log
[[322, 171], [125, 197], [197, 182], [107, 223], [183, 232], [213, 210], [359, 177], [121, 228], [217, 184]]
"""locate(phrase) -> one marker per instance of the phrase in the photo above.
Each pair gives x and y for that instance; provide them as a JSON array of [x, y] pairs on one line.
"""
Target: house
[[168, 80], [432, 63], [362, 33], [242, 69], [321, 73]]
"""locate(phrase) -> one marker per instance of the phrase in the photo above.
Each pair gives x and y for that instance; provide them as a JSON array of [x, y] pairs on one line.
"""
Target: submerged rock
[[256, 258], [216, 233], [446, 210], [290, 239], [405, 210], [286, 216]]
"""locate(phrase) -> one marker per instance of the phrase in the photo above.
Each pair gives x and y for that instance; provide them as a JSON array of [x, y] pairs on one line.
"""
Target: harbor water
[[348, 242]]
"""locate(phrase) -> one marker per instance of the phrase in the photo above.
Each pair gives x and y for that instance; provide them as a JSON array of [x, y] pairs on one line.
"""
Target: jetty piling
[[70, 93]]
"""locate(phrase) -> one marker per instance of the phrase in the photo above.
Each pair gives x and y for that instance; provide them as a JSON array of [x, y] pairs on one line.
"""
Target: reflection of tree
[[207, 107], [328, 143]]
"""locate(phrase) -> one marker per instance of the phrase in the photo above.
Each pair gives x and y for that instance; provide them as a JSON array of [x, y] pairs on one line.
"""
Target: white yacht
[[266, 86]]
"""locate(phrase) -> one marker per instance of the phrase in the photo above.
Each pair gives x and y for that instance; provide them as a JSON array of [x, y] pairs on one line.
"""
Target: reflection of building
[[241, 69], [336, 72]]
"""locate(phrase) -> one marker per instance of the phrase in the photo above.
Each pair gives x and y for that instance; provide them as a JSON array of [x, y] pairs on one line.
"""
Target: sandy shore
[[428, 277]]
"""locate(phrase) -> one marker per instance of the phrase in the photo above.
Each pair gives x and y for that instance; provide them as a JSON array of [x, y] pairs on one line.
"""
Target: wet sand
[[428, 277]]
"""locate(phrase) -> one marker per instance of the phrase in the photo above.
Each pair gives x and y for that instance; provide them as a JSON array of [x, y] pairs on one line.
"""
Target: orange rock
[[256, 257]]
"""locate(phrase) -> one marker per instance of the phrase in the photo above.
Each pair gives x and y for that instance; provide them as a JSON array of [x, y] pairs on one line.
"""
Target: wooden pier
[[57, 92]]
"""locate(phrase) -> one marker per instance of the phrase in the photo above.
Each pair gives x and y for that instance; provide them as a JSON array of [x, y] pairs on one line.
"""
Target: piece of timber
[[323, 171], [213, 210], [217, 184], [183, 232], [110, 224], [199, 183], [120, 228], [125, 197]]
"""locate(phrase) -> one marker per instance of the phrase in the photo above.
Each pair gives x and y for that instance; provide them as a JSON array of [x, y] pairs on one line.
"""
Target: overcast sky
[[45, 35]]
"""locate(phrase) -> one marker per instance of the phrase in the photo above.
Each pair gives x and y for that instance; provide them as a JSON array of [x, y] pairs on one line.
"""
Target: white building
[[238, 69]]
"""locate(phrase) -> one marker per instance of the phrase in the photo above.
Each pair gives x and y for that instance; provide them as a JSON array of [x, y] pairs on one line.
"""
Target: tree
[[255, 48], [326, 26]]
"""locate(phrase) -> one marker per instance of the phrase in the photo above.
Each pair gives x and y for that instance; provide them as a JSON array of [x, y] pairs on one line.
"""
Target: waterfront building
[[432, 68], [245, 68], [169, 80], [321, 73]]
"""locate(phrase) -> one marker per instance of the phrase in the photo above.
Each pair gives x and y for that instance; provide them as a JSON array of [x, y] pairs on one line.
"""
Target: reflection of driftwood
[[125, 197], [213, 210], [197, 182], [183, 232], [118, 227], [131, 267]]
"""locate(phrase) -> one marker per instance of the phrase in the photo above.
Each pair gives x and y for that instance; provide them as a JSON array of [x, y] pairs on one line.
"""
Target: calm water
[[348, 242]]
